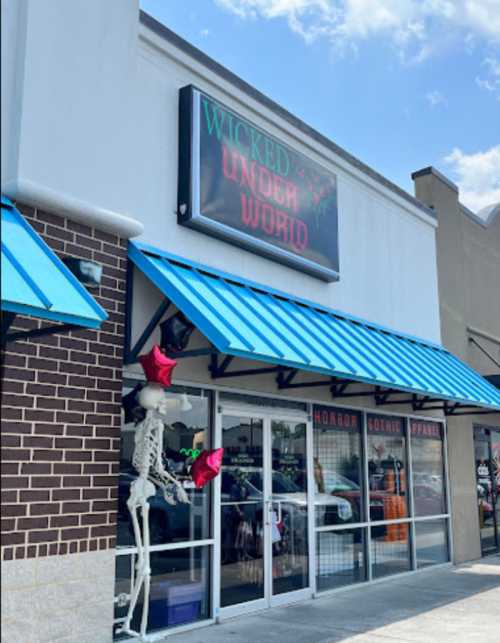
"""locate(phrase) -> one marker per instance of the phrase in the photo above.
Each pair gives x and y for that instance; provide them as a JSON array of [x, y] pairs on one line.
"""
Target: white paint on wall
[[65, 106], [99, 122]]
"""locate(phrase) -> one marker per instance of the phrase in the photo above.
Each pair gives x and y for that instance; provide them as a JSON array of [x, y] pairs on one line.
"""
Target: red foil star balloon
[[206, 466], [158, 367]]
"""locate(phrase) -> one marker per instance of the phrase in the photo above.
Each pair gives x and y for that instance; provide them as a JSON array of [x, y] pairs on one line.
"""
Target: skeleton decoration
[[148, 407], [148, 462]]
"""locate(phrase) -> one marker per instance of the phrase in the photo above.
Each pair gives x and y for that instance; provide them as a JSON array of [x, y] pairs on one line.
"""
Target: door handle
[[269, 508]]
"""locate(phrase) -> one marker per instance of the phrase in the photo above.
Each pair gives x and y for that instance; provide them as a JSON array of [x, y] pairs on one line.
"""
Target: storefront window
[[338, 497], [337, 466], [387, 467], [432, 542], [180, 577], [186, 433], [340, 558], [390, 549], [487, 456], [427, 468], [180, 588]]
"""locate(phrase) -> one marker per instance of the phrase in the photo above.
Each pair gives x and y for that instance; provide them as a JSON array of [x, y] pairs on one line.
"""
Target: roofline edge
[[430, 169], [40, 196], [167, 34]]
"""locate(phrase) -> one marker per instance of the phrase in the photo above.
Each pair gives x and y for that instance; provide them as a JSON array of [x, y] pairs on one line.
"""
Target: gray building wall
[[468, 262]]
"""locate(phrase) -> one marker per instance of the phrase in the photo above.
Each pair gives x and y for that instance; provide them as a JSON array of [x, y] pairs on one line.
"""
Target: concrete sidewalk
[[454, 604]]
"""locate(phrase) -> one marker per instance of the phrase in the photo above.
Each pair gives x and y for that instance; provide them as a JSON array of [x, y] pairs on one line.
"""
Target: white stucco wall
[[94, 120]]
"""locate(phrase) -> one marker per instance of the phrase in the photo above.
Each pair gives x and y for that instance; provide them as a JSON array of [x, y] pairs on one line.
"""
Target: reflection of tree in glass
[[289, 472], [281, 430]]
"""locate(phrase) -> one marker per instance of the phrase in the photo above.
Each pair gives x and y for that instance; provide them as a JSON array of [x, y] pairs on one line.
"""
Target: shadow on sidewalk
[[435, 605]]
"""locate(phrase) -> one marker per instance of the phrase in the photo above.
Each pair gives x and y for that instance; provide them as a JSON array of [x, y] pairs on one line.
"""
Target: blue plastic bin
[[174, 603]]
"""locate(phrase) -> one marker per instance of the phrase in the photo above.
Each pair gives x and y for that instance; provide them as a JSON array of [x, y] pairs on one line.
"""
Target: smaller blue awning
[[36, 282], [248, 320]]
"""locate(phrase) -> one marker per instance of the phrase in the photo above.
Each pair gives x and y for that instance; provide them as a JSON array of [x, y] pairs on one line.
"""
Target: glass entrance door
[[487, 455], [242, 508], [289, 508], [495, 474], [264, 512]]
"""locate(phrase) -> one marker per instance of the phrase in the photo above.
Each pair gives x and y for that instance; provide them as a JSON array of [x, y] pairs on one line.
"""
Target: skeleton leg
[[138, 566], [142, 560], [146, 568]]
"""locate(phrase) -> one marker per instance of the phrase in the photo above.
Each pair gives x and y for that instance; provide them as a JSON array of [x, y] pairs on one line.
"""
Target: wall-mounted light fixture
[[89, 273], [175, 332]]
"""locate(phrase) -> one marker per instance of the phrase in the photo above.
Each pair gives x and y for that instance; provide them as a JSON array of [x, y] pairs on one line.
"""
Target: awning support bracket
[[450, 409], [341, 394], [418, 404], [131, 354], [218, 371], [338, 387], [382, 396], [285, 381], [39, 332]]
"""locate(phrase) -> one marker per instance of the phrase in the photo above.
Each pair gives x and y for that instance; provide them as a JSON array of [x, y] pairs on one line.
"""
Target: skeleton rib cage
[[148, 462]]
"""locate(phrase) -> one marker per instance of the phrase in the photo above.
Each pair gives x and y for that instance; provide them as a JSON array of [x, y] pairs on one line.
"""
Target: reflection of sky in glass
[[194, 419]]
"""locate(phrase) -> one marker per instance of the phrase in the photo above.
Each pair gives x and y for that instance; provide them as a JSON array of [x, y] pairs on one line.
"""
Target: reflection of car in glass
[[335, 483], [167, 523], [246, 484], [427, 500]]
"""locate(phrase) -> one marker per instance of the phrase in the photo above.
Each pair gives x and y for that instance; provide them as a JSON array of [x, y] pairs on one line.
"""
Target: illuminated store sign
[[240, 184]]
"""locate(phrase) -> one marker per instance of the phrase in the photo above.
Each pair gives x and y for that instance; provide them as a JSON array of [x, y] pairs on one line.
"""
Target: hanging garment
[[275, 532]]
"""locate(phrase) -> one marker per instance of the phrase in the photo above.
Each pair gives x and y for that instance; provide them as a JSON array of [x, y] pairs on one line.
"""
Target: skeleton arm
[[157, 472]]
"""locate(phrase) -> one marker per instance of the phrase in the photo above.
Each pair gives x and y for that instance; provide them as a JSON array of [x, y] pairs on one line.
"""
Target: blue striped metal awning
[[36, 282], [244, 319]]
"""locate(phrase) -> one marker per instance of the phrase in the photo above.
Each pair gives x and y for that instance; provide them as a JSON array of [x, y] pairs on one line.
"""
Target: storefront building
[[301, 289], [468, 251]]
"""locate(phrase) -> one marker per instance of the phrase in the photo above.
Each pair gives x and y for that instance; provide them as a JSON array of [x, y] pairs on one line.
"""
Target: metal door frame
[[266, 414]]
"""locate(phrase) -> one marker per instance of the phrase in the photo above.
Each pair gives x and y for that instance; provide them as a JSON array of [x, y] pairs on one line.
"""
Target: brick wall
[[61, 399]]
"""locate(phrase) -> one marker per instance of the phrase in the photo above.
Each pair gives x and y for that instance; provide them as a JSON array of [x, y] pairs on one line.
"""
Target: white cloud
[[491, 81], [477, 176], [487, 84], [416, 28], [435, 98], [205, 32], [493, 65], [470, 43]]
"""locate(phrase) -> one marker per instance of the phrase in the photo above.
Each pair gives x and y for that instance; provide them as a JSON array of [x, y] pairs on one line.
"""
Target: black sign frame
[[189, 212]]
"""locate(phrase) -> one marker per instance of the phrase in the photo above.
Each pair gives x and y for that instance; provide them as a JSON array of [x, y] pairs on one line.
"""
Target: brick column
[[61, 414]]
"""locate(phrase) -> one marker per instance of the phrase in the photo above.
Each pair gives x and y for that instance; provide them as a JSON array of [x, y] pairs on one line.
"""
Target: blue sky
[[401, 84]]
